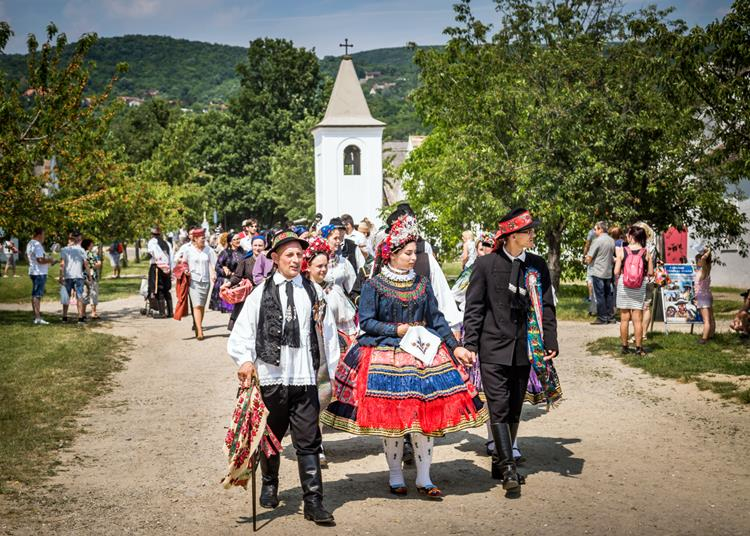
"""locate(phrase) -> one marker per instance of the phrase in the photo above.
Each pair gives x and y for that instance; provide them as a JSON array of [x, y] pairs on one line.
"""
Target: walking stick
[[253, 467]]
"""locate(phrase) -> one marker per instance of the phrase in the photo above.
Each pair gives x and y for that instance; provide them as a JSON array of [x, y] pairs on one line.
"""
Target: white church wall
[[335, 193], [732, 270]]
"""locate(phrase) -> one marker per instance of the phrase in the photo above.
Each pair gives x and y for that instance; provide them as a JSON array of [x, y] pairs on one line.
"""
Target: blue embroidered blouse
[[385, 303]]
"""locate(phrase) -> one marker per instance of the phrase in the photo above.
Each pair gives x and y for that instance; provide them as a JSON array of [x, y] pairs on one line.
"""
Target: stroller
[[147, 309], [157, 305]]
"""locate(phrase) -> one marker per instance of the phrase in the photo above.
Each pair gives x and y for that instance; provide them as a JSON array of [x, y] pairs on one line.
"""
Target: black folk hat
[[284, 237], [337, 223], [518, 219]]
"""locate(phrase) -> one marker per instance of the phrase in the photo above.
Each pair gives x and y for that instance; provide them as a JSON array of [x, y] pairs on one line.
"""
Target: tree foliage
[[573, 109], [56, 170], [190, 71], [292, 176]]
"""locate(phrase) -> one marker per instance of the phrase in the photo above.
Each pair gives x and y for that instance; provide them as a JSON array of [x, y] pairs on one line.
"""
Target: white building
[[348, 153], [732, 270]]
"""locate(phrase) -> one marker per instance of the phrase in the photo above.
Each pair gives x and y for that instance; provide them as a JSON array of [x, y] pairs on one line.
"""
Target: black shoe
[[625, 350], [312, 489], [407, 456], [269, 491], [82, 320], [599, 322], [170, 308], [65, 319], [503, 465]]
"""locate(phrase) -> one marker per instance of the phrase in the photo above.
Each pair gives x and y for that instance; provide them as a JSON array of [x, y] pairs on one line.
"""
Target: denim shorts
[[77, 283], [38, 282]]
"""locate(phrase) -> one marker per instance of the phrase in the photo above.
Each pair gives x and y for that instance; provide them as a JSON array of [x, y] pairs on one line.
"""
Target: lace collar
[[397, 276]]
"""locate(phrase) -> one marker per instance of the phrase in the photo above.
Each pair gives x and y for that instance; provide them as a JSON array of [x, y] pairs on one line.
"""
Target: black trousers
[[505, 388], [159, 283], [296, 407]]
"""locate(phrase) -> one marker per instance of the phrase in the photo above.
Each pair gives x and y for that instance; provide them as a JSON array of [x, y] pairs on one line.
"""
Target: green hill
[[188, 71], [196, 73]]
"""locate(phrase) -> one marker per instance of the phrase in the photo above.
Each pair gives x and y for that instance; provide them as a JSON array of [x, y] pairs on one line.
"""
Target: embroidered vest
[[270, 323]]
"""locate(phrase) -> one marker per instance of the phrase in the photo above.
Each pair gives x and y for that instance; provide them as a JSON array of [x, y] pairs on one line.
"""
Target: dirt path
[[624, 454]]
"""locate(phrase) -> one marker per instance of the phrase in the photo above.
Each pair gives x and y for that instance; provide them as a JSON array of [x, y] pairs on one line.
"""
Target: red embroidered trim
[[520, 221]]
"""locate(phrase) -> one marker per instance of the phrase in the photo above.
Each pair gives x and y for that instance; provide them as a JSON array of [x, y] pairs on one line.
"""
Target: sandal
[[400, 490], [200, 337], [640, 351], [432, 492]]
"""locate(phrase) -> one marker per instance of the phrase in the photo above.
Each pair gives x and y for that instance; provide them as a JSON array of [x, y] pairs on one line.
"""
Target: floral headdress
[[487, 239], [403, 231], [318, 246]]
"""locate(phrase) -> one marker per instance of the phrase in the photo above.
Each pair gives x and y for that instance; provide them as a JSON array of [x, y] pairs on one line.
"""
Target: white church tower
[[348, 152]]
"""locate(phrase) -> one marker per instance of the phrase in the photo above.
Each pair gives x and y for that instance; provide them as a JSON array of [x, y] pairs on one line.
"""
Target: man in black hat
[[280, 337], [495, 324]]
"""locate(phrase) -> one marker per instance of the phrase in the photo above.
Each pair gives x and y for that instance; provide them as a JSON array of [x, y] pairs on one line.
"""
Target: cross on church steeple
[[346, 46]]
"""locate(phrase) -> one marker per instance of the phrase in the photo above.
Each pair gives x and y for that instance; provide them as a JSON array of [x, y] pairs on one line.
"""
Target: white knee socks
[[423, 459], [394, 449]]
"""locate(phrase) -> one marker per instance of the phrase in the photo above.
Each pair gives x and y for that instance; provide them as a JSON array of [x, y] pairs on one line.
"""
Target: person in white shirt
[[72, 274], [341, 248], [10, 250], [249, 230], [280, 337], [159, 270], [39, 265], [201, 261]]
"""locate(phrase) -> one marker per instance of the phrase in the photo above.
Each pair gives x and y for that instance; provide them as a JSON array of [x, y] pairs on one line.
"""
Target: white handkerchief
[[420, 343]]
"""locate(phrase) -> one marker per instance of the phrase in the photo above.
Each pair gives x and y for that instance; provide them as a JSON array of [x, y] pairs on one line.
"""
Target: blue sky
[[322, 24]]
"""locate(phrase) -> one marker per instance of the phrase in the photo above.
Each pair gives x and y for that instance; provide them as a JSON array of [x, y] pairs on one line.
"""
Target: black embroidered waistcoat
[[271, 321]]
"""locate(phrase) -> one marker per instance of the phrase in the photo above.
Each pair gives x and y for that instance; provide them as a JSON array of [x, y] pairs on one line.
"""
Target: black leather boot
[[269, 491], [312, 489], [170, 308], [407, 457], [503, 466]]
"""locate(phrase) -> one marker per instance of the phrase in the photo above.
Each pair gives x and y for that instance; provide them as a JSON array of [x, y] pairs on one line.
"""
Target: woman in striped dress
[[631, 301]]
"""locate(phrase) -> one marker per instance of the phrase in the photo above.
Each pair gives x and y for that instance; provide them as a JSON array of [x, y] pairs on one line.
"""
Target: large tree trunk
[[554, 246]]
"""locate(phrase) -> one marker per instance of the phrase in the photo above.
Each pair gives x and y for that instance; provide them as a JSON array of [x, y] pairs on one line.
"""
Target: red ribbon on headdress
[[524, 219]]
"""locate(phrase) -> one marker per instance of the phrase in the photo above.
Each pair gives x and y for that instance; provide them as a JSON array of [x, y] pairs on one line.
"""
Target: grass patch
[[729, 290], [451, 270], [18, 289], [678, 356], [47, 375], [570, 302]]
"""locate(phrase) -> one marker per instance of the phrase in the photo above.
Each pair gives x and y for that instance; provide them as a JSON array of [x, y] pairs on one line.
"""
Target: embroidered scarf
[[544, 370], [247, 434]]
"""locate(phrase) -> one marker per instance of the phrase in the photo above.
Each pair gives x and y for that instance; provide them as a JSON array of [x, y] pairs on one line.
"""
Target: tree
[[571, 109], [292, 175], [715, 63], [280, 85], [52, 121], [137, 131]]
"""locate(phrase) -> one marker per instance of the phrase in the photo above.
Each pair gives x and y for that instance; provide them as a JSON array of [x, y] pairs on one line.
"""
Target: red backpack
[[634, 268]]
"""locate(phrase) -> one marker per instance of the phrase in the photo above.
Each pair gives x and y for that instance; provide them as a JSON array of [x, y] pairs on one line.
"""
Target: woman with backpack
[[632, 265]]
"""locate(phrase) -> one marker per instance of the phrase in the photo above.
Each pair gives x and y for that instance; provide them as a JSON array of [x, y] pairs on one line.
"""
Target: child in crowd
[[703, 297]]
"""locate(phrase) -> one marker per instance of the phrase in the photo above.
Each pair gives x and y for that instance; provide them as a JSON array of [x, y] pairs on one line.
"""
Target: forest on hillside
[[194, 74]]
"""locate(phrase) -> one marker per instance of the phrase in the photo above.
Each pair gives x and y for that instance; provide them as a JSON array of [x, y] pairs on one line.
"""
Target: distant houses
[[381, 87], [131, 101]]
